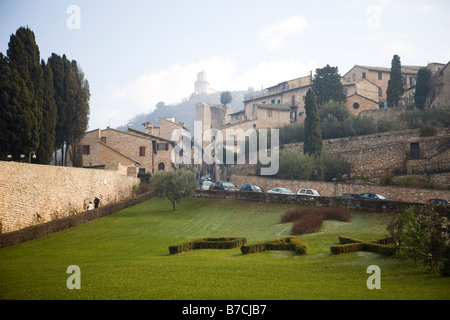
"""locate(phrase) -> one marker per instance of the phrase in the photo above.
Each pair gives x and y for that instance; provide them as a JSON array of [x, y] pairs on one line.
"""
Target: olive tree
[[174, 185]]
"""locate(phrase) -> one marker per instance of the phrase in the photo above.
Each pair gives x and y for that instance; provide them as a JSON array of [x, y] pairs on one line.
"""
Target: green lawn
[[126, 256]]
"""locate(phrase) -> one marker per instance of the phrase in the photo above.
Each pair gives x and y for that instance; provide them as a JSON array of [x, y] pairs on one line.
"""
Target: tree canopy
[[43, 106], [423, 87], [327, 85], [174, 185]]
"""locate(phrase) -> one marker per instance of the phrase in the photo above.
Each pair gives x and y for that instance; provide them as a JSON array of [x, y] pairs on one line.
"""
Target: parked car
[[373, 196], [308, 192], [350, 195], [439, 202], [251, 187], [224, 185], [206, 185], [280, 190]]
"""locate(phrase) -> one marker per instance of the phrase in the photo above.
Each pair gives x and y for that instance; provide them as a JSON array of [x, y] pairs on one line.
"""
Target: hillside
[[185, 110]]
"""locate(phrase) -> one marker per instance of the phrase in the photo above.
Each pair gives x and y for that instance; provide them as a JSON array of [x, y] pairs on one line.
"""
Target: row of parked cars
[[225, 185], [229, 186]]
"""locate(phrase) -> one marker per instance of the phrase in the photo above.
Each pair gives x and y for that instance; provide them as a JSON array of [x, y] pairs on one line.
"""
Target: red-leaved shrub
[[309, 219]]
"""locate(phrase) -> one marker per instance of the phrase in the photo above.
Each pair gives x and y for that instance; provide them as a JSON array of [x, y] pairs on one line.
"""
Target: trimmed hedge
[[286, 243], [348, 244], [208, 243]]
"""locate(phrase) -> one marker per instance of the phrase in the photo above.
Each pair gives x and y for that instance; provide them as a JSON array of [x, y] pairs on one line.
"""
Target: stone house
[[131, 149], [440, 92], [370, 85], [291, 93]]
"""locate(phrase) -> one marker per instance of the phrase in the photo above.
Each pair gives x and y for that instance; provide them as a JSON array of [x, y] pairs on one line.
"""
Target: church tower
[[201, 85]]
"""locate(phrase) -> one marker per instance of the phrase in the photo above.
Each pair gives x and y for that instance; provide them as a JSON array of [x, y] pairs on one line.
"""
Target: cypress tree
[[395, 87], [49, 118], [57, 66], [15, 112], [313, 135], [23, 54], [423, 87]]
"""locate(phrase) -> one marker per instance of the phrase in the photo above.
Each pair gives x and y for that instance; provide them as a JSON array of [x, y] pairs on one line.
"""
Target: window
[[141, 171], [269, 113], [141, 151], [278, 101], [412, 81], [363, 75], [162, 146], [380, 75], [161, 166], [86, 149], [104, 139], [380, 92], [273, 101], [356, 105]]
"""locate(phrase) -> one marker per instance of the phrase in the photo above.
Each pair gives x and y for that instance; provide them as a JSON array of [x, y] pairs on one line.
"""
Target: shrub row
[[351, 245], [286, 243], [208, 243]]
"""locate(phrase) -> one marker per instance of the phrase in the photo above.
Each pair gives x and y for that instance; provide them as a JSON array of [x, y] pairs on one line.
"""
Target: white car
[[309, 192], [206, 184], [280, 190]]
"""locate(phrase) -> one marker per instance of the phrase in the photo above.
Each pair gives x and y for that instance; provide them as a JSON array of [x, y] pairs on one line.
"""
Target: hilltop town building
[[148, 151], [201, 85]]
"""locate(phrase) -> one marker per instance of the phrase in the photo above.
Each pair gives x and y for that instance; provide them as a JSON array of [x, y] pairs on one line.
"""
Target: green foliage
[[44, 104], [327, 85], [329, 166], [15, 112], [23, 57], [438, 117], [423, 232], [174, 185], [208, 243], [294, 165], [382, 246], [423, 87], [49, 118], [292, 133], [286, 243], [313, 135], [225, 97], [395, 87]]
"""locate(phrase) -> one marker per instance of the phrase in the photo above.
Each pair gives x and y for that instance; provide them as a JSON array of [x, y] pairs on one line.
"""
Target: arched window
[[161, 166], [356, 105]]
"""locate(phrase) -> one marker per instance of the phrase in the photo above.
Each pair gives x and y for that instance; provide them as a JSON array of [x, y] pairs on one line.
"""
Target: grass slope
[[125, 256]]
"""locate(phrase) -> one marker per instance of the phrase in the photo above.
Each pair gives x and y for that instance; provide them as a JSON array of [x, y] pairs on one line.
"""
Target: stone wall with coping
[[32, 194]]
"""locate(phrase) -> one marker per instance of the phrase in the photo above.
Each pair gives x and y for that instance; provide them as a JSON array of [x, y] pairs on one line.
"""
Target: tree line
[[44, 105]]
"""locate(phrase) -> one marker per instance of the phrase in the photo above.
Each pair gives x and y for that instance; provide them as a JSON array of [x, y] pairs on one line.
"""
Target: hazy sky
[[136, 53]]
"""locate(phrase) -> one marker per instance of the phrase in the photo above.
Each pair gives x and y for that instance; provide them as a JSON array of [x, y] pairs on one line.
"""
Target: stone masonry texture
[[32, 194]]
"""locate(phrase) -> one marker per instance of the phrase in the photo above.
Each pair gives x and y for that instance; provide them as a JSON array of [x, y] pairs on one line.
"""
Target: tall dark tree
[[313, 135], [395, 87], [72, 100], [56, 64], [15, 112], [423, 87], [327, 85], [23, 54], [78, 96], [49, 118]]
